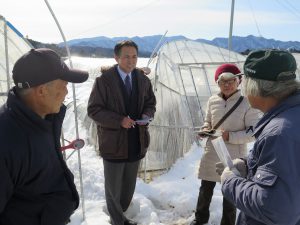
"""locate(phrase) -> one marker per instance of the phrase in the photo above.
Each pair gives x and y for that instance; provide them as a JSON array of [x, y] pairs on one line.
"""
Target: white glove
[[239, 165], [227, 173]]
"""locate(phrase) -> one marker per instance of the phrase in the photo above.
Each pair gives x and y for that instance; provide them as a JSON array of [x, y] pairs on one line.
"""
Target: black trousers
[[204, 200]]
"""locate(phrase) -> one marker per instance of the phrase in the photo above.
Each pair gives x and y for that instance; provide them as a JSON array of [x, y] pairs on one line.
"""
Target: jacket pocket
[[109, 140], [265, 177]]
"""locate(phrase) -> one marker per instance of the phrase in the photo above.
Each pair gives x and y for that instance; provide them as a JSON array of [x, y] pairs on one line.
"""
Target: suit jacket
[[107, 108]]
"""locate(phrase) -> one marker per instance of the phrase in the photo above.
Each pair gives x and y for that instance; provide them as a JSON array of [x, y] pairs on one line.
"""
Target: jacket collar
[[236, 95], [21, 112], [291, 101], [112, 77]]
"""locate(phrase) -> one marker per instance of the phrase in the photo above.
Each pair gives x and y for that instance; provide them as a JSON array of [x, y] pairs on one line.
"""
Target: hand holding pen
[[127, 122]]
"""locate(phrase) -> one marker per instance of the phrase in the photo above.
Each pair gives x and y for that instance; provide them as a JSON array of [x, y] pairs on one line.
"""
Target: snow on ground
[[170, 199]]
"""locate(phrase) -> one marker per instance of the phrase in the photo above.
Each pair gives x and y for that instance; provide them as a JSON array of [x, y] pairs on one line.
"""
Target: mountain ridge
[[148, 43], [103, 46]]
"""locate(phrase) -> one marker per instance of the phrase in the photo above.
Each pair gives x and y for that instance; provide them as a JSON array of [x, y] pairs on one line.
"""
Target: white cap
[[226, 76]]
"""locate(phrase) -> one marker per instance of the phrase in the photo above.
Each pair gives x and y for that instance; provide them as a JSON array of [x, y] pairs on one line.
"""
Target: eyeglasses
[[229, 82]]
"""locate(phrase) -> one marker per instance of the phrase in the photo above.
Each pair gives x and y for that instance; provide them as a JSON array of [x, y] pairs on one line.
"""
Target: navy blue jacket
[[36, 187], [271, 192]]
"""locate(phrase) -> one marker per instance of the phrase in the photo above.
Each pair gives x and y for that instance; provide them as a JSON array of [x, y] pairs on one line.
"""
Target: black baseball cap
[[39, 66], [271, 65]]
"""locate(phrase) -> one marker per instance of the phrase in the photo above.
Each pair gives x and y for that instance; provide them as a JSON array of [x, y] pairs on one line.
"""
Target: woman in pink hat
[[236, 131]]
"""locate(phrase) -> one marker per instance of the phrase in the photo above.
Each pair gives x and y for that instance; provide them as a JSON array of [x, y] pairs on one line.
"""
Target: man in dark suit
[[121, 97]]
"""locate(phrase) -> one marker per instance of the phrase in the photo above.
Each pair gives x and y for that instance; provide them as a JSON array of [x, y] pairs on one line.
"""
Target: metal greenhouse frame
[[183, 80], [12, 46]]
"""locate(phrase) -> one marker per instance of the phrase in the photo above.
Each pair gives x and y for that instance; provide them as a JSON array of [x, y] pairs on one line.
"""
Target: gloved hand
[[227, 172], [240, 165], [219, 168], [204, 133]]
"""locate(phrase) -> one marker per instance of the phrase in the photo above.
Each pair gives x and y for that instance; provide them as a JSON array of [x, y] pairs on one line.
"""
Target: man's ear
[[40, 90], [116, 58]]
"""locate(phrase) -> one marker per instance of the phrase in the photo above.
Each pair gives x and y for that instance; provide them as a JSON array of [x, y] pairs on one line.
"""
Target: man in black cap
[[267, 190], [36, 186]]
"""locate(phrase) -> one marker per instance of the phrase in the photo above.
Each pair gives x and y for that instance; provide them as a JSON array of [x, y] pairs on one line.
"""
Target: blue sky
[[277, 19]]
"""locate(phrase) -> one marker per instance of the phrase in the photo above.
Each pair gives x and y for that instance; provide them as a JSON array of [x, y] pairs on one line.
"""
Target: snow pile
[[169, 199]]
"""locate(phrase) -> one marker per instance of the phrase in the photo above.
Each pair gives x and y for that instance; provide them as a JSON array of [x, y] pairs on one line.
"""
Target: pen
[[130, 118]]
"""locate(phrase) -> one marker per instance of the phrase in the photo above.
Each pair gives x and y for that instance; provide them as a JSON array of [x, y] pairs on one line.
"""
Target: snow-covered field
[[168, 199]]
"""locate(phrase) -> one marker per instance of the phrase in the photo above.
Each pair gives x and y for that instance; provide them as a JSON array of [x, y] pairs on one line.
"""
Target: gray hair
[[22, 92], [264, 88]]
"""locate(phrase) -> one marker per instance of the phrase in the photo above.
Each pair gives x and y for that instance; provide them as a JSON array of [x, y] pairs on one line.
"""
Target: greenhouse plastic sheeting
[[297, 57], [12, 46], [183, 80]]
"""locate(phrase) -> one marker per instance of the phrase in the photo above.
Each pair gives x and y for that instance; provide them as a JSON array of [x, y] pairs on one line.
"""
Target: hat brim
[[226, 76], [75, 76]]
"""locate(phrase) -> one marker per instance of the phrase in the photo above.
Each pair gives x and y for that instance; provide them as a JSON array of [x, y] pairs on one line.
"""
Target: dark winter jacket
[[36, 187], [107, 108], [271, 192]]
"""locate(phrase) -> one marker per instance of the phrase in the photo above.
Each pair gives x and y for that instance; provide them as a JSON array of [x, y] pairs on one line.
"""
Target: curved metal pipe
[[75, 108]]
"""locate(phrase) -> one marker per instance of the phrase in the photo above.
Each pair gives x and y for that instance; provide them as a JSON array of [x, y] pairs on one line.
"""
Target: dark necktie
[[128, 85]]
